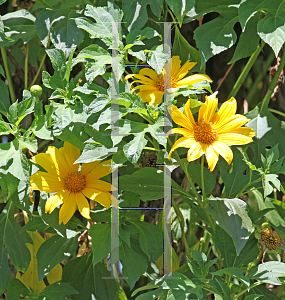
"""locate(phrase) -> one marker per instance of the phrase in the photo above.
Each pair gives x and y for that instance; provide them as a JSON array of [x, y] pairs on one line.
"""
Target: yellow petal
[[194, 152], [104, 198], [188, 113], [245, 131], [83, 205], [45, 161], [224, 150], [144, 78], [149, 72], [91, 193], [129, 76], [46, 182], [87, 168], [179, 118], [185, 132], [227, 110], [100, 185], [175, 66], [59, 161], [152, 97], [184, 142], [55, 200], [145, 87], [212, 104], [212, 156], [232, 123], [190, 80], [102, 169], [185, 69], [71, 154], [202, 110], [234, 139], [67, 209]]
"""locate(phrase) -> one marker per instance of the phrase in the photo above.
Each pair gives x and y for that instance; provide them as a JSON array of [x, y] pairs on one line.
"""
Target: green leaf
[[248, 253], [156, 58], [147, 234], [5, 272], [89, 280], [217, 35], [269, 272], [135, 12], [4, 98], [226, 246], [185, 51], [268, 188], [231, 215], [19, 25], [57, 291], [252, 297], [59, 25], [54, 251], [265, 292], [101, 241], [105, 18], [13, 241], [248, 41], [15, 289], [270, 28], [4, 128], [180, 7], [134, 264]]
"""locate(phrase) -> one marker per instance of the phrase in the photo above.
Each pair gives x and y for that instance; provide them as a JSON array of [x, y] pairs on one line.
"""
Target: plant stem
[[276, 112], [39, 70], [8, 75], [83, 4], [202, 177], [244, 291], [26, 66], [245, 71], [273, 83]]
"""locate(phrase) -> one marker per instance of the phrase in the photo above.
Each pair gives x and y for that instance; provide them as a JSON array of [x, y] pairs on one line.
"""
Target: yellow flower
[[152, 85], [71, 186], [213, 133]]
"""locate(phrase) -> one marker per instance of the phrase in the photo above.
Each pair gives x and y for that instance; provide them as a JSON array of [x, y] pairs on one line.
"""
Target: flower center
[[75, 182], [170, 82], [205, 133], [270, 239]]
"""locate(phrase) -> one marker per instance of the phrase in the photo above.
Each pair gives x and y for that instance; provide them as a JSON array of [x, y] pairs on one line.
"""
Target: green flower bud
[[266, 225], [36, 90]]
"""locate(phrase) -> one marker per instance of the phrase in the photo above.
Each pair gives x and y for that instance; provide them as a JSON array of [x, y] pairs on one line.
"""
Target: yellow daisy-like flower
[[152, 85], [71, 186], [213, 133]]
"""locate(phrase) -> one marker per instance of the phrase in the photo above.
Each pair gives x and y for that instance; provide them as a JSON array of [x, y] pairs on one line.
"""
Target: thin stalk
[[245, 71], [8, 75], [202, 177], [277, 112], [83, 4], [39, 70], [245, 290], [26, 66], [273, 83]]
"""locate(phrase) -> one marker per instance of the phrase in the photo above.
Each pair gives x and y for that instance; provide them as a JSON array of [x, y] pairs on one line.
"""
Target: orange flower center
[[170, 82], [205, 133], [270, 239], [75, 182]]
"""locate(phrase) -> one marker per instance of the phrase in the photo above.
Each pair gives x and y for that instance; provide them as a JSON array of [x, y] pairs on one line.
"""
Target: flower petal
[[99, 185], [194, 152], [189, 80], [224, 150], [188, 113], [185, 132], [71, 154], [212, 104], [232, 123], [227, 110], [45, 161], [152, 97], [185, 69], [179, 118], [83, 205], [46, 182], [184, 142], [104, 198], [245, 131], [149, 72], [88, 167], [175, 65], [59, 160], [55, 200], [234, 139], [67, 209], [212, 156], [102, 169]]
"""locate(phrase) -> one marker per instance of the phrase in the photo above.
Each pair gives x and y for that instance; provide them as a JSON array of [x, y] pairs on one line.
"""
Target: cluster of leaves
[[77, 46]]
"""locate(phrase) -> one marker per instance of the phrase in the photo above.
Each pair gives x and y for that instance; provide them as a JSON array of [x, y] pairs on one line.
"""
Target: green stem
[[8, 75], [245, 290], [147, 118], [83, 4], [26, 66], [276, 112], [245, 71], [43, 3], [273, 83], [39, 70], [247, 185], [202, 177]]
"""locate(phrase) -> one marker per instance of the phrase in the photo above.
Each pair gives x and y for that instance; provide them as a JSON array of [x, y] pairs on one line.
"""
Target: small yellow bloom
[[213, 133], [71, 186], [152, 85]]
